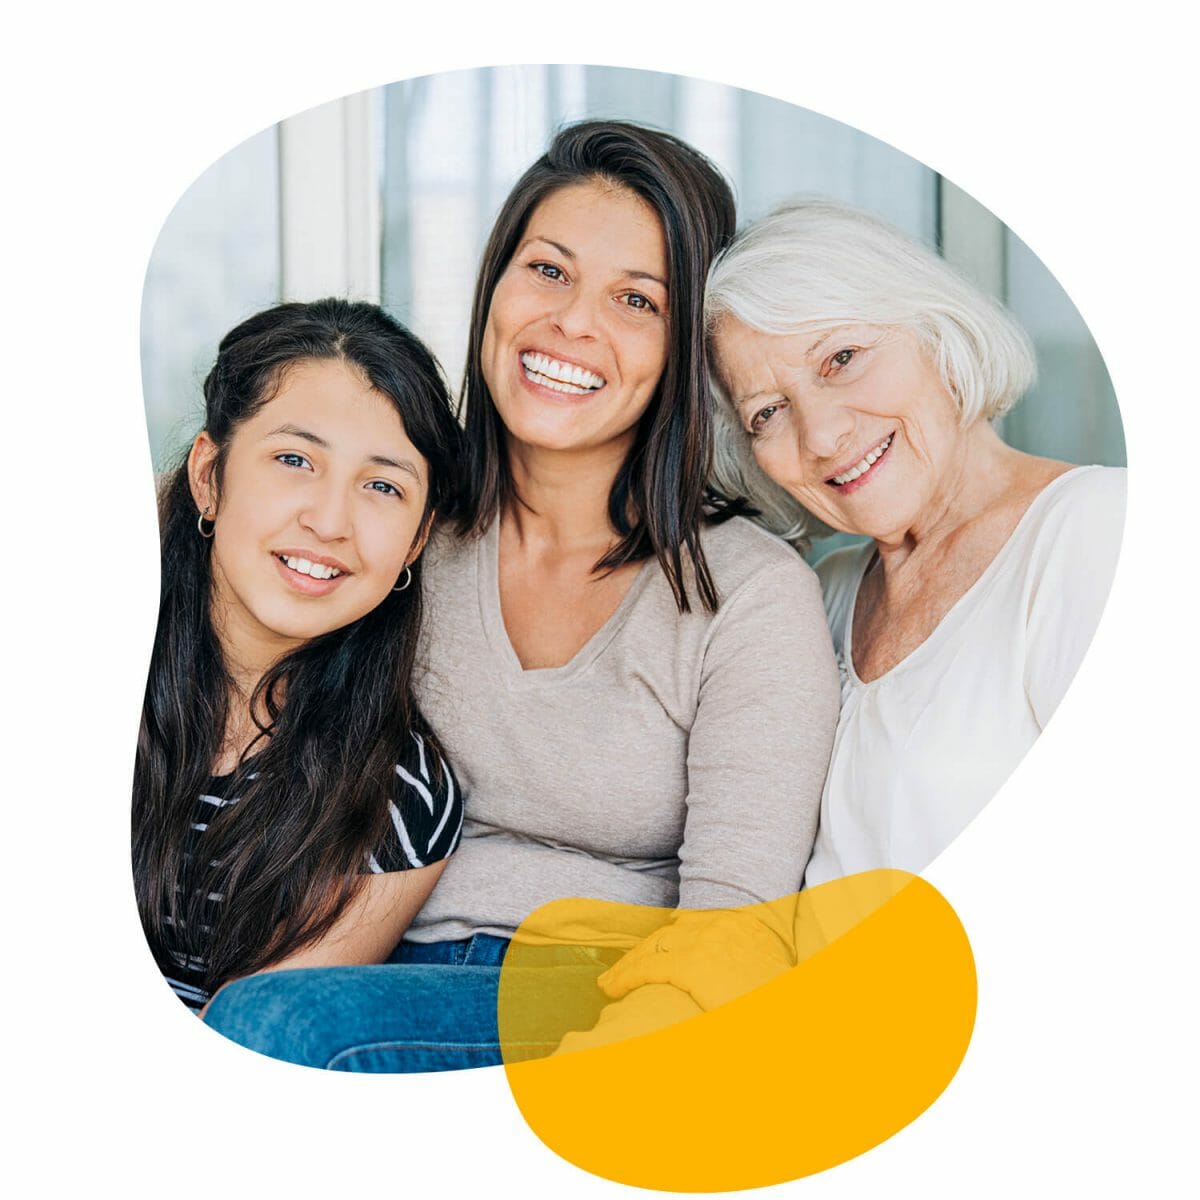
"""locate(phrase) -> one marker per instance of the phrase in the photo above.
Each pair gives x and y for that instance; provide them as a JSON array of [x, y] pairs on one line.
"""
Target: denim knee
[[369, 1018], [280, 1014]]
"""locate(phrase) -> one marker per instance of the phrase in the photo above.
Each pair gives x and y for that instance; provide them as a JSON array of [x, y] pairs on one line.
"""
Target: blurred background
[[388, 195]]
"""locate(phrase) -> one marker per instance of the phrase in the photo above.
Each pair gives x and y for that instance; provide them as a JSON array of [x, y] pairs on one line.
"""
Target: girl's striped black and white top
[[426, 823]]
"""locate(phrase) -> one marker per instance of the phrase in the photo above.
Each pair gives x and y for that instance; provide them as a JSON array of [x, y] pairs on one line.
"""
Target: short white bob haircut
[[817, 264]]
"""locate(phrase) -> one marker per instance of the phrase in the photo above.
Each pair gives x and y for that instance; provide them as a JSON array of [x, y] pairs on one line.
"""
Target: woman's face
[[317, 512], [576, 335], [854, 422]]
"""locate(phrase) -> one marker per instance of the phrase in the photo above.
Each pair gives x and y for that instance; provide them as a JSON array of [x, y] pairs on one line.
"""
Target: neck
[[984, 470], [561, 499]]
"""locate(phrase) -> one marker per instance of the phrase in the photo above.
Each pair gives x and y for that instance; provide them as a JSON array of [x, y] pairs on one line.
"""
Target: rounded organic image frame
[[1087, 522]]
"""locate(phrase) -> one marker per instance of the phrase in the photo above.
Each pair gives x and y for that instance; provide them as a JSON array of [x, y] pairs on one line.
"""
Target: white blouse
[[920, 750]]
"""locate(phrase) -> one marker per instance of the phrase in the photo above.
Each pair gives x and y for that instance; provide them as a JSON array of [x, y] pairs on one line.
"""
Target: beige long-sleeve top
[[677, 759]]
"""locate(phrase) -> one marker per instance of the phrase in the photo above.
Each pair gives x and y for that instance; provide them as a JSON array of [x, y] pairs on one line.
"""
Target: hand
[[713, 956], [646, 1010]]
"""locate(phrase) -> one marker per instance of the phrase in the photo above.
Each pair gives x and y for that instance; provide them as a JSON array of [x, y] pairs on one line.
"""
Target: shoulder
[[448, 568], [426, 810], [1078, 514], [766, 658], [1065, 565], [770, 606], [741, 554], [1085, 492], [446, 545], [427, 773]]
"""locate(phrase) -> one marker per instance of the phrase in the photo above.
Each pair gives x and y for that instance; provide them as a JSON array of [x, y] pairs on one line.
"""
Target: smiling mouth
[[560, 376], [864, 464], [313, 570]]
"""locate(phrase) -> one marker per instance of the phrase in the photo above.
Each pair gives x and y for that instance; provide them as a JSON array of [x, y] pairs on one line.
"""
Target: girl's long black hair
[[313, 789], [663, 479]]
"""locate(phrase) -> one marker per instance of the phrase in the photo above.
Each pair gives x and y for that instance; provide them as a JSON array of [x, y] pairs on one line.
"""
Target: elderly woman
[[861, 377]]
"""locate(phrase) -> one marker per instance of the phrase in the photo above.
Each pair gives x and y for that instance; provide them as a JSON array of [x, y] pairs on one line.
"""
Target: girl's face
[[317, 513], [576, 335]]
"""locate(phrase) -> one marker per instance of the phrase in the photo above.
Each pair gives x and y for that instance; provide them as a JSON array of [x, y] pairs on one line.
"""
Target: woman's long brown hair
[[313, 790], [662, 482]]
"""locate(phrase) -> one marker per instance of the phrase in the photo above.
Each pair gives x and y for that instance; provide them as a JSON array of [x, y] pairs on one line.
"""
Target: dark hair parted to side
[[662, 482], [314, 800]]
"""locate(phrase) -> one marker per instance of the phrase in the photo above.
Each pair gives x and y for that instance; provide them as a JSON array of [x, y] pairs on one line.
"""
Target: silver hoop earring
[[407, 580], [212, 525]]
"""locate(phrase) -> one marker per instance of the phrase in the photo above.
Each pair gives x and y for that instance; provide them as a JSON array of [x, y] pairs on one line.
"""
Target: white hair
[[817, 264]]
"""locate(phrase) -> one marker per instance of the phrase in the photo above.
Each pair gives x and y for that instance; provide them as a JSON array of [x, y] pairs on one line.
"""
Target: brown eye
[[384, 488], [547, 270], [760, 418], [638, 301]]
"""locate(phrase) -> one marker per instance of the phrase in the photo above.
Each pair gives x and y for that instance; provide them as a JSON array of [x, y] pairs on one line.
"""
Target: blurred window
[[411, 176], [216, 261], [454, 144]]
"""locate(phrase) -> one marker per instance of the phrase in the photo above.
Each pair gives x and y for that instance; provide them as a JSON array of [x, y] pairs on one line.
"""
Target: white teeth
[[561, 376], [865, 463], [316, 570], [557, 385]]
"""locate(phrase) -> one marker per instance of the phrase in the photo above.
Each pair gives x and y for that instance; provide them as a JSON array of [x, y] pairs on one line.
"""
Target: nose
[[577, 313], [326, 511], [825, 428]]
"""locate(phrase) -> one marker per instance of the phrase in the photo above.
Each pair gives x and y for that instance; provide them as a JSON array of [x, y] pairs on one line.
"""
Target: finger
[[627, 968], [620, 980], [635, 970]]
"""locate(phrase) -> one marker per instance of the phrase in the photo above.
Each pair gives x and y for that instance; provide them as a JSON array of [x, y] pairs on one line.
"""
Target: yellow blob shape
[[781, 1071]]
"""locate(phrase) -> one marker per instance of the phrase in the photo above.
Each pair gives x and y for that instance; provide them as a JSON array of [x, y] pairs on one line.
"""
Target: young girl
[[291, 807]]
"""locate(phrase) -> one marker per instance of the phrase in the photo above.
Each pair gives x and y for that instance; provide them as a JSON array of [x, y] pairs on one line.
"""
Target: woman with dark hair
[[291, 807], [639, 694]]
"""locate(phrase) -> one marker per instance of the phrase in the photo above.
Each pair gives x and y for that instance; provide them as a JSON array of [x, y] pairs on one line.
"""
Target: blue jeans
[[428, 1008]]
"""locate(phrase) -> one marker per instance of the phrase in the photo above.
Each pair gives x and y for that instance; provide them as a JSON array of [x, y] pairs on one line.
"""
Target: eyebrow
[[566, 252], [823, 338], [378, 460], [647, 275], [740, 400]]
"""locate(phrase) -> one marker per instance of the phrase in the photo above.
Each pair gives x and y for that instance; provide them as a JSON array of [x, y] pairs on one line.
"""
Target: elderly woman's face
[[853, 422]]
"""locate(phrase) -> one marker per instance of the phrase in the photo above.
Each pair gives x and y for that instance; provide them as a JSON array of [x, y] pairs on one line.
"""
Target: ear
[[202, 461], [419, 542]]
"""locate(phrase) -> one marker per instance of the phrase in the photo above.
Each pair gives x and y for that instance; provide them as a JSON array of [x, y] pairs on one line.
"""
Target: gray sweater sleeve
[[760, 743]]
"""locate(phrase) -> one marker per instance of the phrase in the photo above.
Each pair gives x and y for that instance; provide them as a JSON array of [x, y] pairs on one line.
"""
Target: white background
[[1075, 886]]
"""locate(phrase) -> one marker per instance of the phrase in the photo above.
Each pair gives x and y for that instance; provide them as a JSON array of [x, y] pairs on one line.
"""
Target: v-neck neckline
[[488, 574]]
